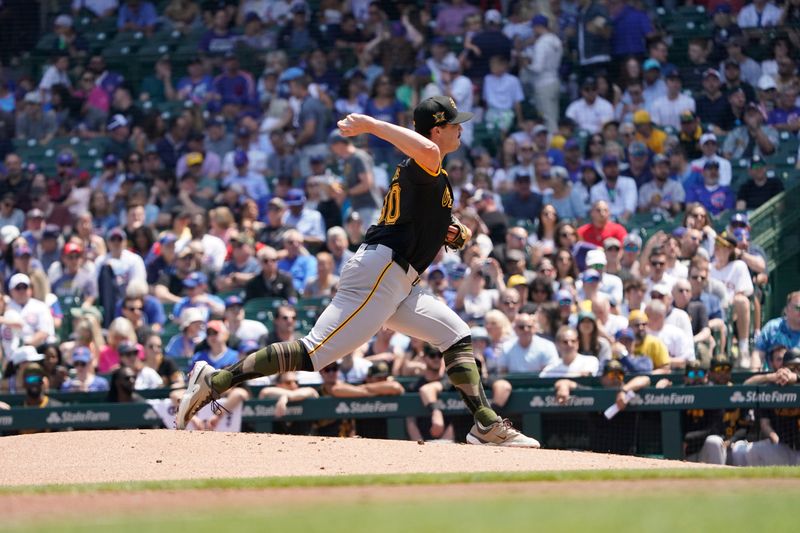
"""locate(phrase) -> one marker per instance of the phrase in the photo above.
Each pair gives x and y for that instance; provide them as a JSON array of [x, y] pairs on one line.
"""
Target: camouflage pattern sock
[[463, 373], [274, 359]]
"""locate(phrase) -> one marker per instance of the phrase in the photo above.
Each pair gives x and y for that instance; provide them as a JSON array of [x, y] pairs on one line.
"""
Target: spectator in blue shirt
[[253, 183], [242, 266], [136, 15], [301, 265], [196, 86], [196, 285], [219, 39], [714, 197], [631, 28], [234, 87], [217, 354], [782, 331]]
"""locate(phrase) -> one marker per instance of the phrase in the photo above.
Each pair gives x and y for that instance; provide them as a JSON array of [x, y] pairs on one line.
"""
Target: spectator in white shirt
[[590, 111], [609, 283], [735, 275], [37, 321], [503, 95], [125, 264], [666, 111], [454, 84], [56, 74], [708, 145], [759, 14], [543, 60], [572, 364], [618, 191], [679, 345]]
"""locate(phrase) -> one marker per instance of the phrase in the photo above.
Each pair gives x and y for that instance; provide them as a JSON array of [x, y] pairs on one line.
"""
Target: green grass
[[667, 511], [412, 479]]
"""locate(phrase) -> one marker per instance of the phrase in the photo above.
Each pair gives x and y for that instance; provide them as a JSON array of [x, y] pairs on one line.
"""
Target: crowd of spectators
[[220, 204]]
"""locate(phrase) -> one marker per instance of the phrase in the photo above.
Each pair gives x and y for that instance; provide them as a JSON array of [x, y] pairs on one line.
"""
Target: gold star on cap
[[438, 117]]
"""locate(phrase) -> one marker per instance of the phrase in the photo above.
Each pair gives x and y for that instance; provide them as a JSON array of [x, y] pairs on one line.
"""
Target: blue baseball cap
[[610, 160], [590, 275], [651, 64], [625, 333], [232, 301], [65, 158], [564, 297], [195, 279], [240, 158], [81, 354], [295, 198], [291, 73], [110, 160], [540, 20]]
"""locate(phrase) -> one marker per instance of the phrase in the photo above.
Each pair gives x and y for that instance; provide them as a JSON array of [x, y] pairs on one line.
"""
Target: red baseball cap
[[72, 248]]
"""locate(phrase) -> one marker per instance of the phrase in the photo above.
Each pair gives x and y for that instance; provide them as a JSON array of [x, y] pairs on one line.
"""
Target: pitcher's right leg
[[370, 289]]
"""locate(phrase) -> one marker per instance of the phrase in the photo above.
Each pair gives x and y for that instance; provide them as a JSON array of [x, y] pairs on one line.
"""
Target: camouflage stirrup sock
[[463, 373], [274, 359]]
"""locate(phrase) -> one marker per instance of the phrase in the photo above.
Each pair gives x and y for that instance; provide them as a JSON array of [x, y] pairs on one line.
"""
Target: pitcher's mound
[[137, 455]]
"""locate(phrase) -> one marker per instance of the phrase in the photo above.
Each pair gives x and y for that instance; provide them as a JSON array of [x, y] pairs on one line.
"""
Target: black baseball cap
[[437, 111]]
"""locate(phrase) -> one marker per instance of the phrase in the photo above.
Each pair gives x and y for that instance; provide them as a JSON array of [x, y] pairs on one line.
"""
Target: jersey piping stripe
[[426, 169], [354, 313]]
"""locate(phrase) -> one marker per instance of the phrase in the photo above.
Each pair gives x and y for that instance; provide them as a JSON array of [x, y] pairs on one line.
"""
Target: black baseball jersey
[[415, 214]]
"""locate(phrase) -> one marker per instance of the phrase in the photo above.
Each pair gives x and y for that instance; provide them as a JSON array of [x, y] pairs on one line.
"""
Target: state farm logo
[[737, 397], [572, 401], [346, 408], [774, 396]]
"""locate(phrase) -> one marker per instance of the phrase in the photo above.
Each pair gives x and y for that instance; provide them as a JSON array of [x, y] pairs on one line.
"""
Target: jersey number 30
[[390, 211]]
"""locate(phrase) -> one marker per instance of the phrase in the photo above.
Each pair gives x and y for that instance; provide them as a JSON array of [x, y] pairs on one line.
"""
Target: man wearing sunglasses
[[37, 321], [36, 384], [530, 353]]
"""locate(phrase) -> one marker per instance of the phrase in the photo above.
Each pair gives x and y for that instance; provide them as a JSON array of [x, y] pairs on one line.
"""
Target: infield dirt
[[143, 455]]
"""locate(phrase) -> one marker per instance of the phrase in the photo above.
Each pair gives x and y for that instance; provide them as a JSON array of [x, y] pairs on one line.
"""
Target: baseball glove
[[457, 234]]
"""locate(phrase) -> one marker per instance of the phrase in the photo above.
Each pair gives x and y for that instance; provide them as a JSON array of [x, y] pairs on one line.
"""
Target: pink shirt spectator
[[109, 358]]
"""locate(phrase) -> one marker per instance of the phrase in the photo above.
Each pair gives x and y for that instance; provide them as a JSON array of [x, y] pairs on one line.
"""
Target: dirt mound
[[104, 456]]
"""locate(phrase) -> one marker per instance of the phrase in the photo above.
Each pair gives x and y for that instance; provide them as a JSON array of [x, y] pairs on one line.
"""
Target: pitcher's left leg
[[427, 318]]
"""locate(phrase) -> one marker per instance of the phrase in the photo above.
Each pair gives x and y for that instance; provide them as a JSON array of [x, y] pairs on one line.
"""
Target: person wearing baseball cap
[[218, 354], [754, 137], [241, 328], [647, 345], [712, 104], [590, 111], [37, 320], [646, 132], [711, 194], [759, 188], [197, 295], [709, 146], [416, 222], [75, 280], [251, 181], [689, 133], [662, 194]]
